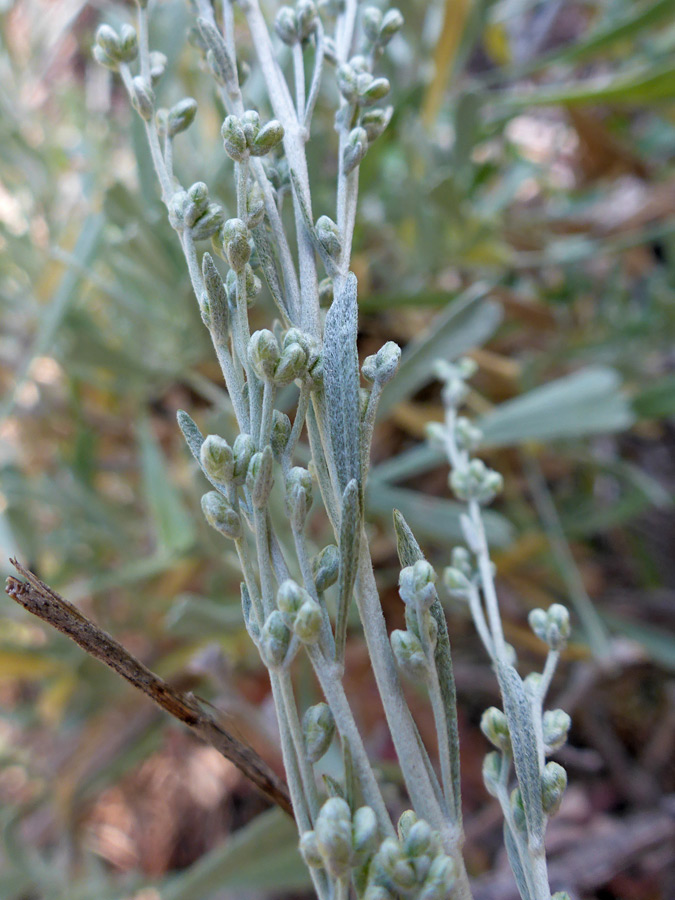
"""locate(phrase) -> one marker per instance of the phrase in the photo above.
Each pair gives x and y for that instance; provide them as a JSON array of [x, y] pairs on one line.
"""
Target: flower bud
[[259, 477], [494, 726], [556, 724], [267, 138], [216, 295], [518, 810], [355, 149], [375, 121], [290, 597], [281, 432], [286, 25], [158, 63], [456, 583], [217, 458], [197, 203], [468, 437], [243, 450], [418, 839], [235, 244], [220, 515], [377, 89], [492, 767], [128, 44], [234, 139], [406, 821], [298, 478], [264, 353], [364, 834], [292, 365], [181, 116], [325, 567], [108, 40], [551, 626], [305, 11], [274, 640], [440, 879], [328, 236], [409, 655], [392, 22], [255, 205], [553, 784], [308, 622], [476, 482], [416, 584], [371, 19], [142, 98], [318, 729], [347, 84], [104, 59], [383, 365], [309, 849], [334, 836], [209, 223]]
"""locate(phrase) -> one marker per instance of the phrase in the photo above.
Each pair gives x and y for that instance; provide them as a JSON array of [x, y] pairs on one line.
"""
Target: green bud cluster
[[318, 730], [296, 24], [417, 584], [301, 612], [340, 841], [221, 515], [556, 724], [328, 236], [380, 28], [260, 478], [325, 567], [476, 482], [244, 136], [358, 86], [298, 495], [383, 365], [217, 459], [111, 48], [409, 654], [295, 359], [494, 726], [414, 866], [192, 210], [275, 640], [552, 625], [553, 784]]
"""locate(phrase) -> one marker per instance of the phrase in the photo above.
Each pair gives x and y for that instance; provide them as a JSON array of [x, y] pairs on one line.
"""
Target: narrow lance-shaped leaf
[[341, 380], [522, 730], [350, 532], [409, 553], [513, 853], [194, 439]]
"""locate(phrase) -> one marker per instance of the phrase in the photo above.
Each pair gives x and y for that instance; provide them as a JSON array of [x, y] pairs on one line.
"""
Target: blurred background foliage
[[520, 207]]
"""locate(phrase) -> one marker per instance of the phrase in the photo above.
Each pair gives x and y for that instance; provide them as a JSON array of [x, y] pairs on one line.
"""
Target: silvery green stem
[[295, 729], [298, 423], [299, 76], [331, 685], [487, 580], [316, 75]]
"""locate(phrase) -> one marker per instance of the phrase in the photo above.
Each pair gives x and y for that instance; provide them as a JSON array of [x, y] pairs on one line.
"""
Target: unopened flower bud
[[234, 139], [416, 584], [418, 839], [128, 45], [158, 63], [267, 138], [553, 784], [243, 450], [440, 879], [275, 639], [375, 91], [309, 850], [181, 116], [551, 626], [260, 478], [392, 22], [104, 59], [406, 821], [318, 729], [255, 205], [290, 597], [308, 622], [216, 295], [292, 365], [375, 121], [383, 365], [281, 432], [220, 515], [355, 149], [286, 25], [347, 82], [217, 458], [556, 724], [334, 836], [108, 40], [409, 655], [328, 236], [371, 19], [325, 567], [235, 244], [456, 582], [264, 353], [492, 767], [305, 11], [468, 437], [142, 98], [209, 223], [365, 834], [494, 726], [298, 478]]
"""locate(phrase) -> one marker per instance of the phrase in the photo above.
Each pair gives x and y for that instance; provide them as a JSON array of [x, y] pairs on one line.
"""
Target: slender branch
[[200, 717]]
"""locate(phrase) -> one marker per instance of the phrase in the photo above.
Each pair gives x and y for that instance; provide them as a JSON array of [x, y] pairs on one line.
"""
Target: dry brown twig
[[40, 600]]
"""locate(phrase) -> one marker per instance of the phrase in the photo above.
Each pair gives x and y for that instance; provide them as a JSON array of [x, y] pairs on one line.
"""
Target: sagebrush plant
[[294, 599]]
